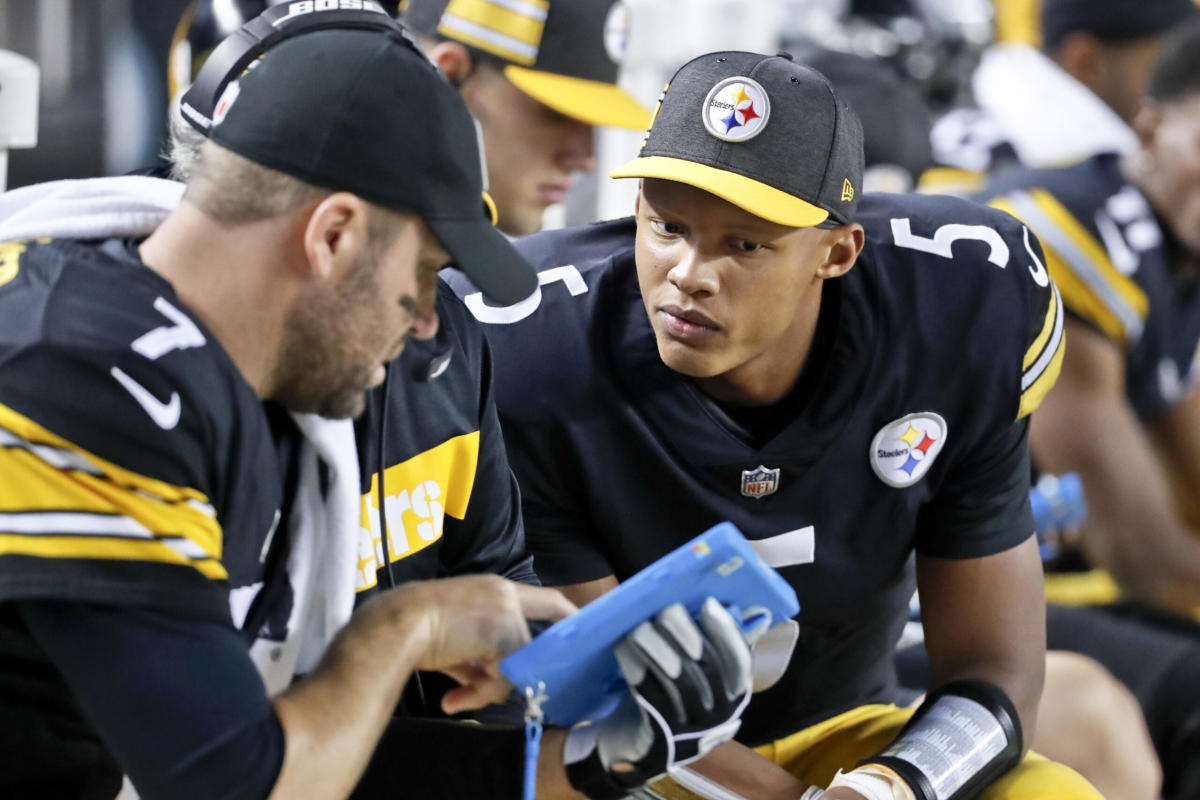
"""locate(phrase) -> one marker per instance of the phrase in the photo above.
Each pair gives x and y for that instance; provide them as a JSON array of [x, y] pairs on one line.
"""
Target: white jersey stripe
[[76, 523], [1035, 371]]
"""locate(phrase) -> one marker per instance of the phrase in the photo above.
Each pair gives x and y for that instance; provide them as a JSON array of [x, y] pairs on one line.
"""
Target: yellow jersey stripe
[[1080, 252], [950, 180], [1053, 343], [1049, 319], [1032, 397], [31, 432], [50, 486], [420, 493], [1080, 299], [105, 547]]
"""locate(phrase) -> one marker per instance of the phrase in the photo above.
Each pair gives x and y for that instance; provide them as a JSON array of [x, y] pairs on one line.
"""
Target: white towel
[[1050, 118], [88, 209], [324, 527]]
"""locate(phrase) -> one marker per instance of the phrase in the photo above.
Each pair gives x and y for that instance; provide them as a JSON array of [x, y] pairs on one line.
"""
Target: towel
[[1050, 118]]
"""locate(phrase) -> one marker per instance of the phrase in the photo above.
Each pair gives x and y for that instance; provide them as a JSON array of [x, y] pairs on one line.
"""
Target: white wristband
[[869, 784], [812, 793]]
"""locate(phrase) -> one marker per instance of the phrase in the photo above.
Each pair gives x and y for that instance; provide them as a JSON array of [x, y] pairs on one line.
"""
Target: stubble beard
[[321, 368]]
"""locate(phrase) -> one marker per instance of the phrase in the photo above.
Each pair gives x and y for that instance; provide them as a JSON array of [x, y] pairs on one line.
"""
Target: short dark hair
[[1113, 22], [1177, 74]]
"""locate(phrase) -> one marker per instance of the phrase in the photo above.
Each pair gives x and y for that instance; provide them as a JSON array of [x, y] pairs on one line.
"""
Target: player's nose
[[692, 274], [577, 150], [425, 323]]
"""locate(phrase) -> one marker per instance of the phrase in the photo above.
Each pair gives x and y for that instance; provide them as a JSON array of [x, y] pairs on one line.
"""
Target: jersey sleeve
[[1093, 288], [981, 504], [1043, 344], [99, 501], [205, 731]]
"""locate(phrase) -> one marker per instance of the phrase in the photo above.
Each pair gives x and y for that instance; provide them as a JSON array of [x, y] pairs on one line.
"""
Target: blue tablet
[[572, 660]]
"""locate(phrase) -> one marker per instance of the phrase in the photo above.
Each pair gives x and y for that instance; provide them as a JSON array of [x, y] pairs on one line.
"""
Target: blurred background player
[[1073, 97], [538, 75], [1121, 241], [1087, 719]]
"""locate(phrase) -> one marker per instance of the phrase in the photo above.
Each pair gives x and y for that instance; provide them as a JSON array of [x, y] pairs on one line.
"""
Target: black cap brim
[[487, 258]]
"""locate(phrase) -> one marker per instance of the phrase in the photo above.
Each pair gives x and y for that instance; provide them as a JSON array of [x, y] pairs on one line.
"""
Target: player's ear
[[1146, 122], [335, 233], [1081, 56], [845, 243], [454, 60]]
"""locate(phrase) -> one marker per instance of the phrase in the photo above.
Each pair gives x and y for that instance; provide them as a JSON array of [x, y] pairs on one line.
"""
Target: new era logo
[[847, 191]]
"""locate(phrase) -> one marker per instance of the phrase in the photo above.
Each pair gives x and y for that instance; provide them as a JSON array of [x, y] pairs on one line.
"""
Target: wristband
[[870, 784], [964, 736], [901, 789]]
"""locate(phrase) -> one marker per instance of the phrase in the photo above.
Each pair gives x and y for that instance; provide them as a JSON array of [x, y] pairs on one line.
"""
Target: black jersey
[[1117, 269], [947, 334], [137, 471], [138, 465], [452, 506]]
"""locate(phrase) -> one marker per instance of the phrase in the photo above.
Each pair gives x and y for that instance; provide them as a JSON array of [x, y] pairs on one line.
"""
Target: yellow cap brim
[[592, 102], [759, 199]]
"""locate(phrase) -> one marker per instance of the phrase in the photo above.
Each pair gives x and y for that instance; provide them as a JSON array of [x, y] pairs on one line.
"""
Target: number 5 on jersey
[[182, 335]]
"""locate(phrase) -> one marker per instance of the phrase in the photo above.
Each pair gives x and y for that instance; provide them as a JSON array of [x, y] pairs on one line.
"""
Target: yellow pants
[[816, 753]]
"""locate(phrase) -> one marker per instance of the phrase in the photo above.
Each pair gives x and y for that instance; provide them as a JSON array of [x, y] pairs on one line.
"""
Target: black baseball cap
[[762, 132], [1111, 21], [563, 53], [359, 108]]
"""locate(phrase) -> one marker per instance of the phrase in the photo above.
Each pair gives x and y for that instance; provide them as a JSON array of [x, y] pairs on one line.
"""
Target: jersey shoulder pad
[[1092, 225], [116, 414], [116, 361], [977, 280], [541, 345]]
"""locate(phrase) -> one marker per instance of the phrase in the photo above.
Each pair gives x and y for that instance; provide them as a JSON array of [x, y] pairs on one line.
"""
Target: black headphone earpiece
[[236, 53]]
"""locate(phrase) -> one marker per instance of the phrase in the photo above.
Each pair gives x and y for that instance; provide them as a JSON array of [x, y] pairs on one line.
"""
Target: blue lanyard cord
[[533, 736]]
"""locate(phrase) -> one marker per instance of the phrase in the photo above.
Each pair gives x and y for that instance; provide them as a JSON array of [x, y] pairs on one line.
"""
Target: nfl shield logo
[[759, 482]]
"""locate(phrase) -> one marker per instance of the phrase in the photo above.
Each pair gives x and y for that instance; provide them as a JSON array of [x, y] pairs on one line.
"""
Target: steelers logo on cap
[[736, 110], [616, 32]]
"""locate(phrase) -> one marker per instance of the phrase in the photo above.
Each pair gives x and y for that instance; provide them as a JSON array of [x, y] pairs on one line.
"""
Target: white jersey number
[[943, 239], [506, 315], [183, 334]]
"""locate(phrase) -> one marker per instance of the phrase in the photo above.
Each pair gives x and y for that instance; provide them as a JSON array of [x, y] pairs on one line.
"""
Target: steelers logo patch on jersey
[[904, 450], [736, 110]]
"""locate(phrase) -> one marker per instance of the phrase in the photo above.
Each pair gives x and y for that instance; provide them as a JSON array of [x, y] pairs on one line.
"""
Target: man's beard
[[321, 368]]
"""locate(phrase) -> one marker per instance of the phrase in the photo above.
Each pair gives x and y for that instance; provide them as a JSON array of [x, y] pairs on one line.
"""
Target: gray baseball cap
[[762, 132]]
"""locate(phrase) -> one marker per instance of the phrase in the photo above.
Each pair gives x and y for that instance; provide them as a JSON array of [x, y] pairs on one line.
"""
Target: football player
[[1091, 72], [848, 379], [142, 489], [1121, 242], [537, 76]]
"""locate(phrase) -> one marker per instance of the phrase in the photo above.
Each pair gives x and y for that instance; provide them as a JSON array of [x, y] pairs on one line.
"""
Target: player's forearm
[[1135, 534], [985, 619], [1160, 566], [739, 769], [333, 719]]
